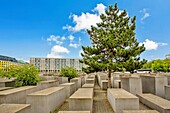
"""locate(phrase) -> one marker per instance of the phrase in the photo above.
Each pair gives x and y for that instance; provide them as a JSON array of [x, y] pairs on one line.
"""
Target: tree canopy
[[114, 45], [69, 72], [24, 75]]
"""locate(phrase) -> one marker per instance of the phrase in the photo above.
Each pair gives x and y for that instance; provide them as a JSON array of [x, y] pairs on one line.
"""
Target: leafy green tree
[[114, 46], [160, 65], [69, 72], [24, 75]]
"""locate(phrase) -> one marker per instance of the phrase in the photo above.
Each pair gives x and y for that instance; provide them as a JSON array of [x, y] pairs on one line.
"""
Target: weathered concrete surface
[[47, 84], [88, 86], [122, 100], [81, 100], [45, 78], [154, 85], [74, 112], [167, 92], [132, 85], [63, 80], [76, 81], [140, 111], [82, 80], [46, 100], [5, 88], [100, 77], [155, 102], [4, 82], [70, 88], [16, 95], [104, 84], [15, 108], [90, 80], [115, 82]]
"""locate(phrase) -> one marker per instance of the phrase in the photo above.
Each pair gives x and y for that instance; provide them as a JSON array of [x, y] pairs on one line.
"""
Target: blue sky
[[57, 28]]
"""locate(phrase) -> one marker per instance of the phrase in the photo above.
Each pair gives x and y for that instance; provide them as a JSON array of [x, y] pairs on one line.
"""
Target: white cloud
[[151, 45], [57, 39], [71, 38], [56, 51], [74, 45], [145, 14], [85, 20], [100, 8]]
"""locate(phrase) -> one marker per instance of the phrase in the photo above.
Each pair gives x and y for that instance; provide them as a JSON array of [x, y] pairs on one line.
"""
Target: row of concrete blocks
[[22, 95], [125, 102]]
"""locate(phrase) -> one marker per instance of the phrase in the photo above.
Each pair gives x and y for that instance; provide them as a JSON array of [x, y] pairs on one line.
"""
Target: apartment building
[[55, 64]]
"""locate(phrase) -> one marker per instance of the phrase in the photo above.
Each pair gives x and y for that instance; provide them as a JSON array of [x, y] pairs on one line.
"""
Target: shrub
[[69, 72]]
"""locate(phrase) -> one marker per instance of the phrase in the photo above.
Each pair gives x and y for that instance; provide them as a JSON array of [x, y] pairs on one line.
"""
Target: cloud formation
[[146, 14], [151, 45], [56, 51], [57, 39], [72, 42], [85, 20]]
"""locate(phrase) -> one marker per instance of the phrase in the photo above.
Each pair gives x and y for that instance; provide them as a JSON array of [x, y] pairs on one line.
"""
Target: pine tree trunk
[[109, 78]]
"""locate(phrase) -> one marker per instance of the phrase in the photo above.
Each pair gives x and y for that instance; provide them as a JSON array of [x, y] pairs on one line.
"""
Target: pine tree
[[114, 46]]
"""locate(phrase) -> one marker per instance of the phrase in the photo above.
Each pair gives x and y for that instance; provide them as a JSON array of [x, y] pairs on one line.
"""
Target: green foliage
[[114, 46], [69, 72], [24, 75], [158, 65]]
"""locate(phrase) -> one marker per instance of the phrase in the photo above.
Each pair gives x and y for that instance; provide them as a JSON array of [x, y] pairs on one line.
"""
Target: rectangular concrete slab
[[140, 111], [15, 108], [104, 84], [16, 95], [81, 100], [5, 88], [90, 81], [46, 100], [167, 92], [155, 102], [75, 80], [74, 112], [47, 84], [88, 86], [70, 88], [122, 100]]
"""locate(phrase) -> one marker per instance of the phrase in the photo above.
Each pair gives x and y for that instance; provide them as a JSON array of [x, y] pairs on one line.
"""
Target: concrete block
[[5, 88], [7, 82], [75, 80], [88, 86], [81, 100], [47, 84], [104, 84], [63, 80], [74, 112], [82, 80], [46, 78], [132, 85], [90, 81], [15, 108], [46, 100], [155, 102], [117, 84], [70, 88], [140, 111], [154, 85], [167, 92], [101, 77], [114, 82], [121, 100], [16, 95]]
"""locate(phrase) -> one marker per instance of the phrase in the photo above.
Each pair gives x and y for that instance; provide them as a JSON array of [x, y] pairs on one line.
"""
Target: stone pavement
[[100, 102]]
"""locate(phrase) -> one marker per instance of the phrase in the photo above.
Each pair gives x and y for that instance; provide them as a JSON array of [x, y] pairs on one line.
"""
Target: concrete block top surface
[[83, 93], [140, 111], [12, 108], [48, 81], [156, 100], [10, 91], [5, 88], [67, 84], [88, 85], [167, 86], [90, 79], [74, 112], [47, 91], [104, 80], [152, 76], [120, 93]]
